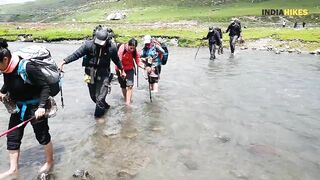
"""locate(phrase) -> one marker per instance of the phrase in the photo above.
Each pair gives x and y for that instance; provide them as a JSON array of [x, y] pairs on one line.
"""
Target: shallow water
[[251, 117]]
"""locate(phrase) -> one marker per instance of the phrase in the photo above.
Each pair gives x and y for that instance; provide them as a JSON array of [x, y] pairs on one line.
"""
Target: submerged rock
[[81, 174], [261, 149]]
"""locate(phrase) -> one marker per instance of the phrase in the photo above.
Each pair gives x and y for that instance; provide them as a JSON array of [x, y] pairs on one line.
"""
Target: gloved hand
[[40, 112]]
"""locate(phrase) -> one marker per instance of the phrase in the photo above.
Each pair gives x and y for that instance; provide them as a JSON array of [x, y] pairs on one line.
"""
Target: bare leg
[[155, 87], [13, 171], [129, 95], [48, 151], [124, 93]]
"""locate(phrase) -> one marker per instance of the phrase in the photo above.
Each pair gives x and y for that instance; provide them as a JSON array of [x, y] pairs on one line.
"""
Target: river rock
[[254, 48], [277, 52], [269, 48], [116, 16], [313, 52], [291, 50], [298, 51], [243, 48], [318, 51]]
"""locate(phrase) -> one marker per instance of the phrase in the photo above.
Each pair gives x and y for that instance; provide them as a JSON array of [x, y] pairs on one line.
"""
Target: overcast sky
[[13, 1]]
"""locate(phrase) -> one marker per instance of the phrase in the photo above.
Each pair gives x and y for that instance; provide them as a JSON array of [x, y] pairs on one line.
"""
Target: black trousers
[[98, 93], [212, 49], [232, 41], [40, 128]]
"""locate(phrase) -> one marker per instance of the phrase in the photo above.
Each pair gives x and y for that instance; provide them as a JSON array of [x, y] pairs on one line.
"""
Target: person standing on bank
[[30, 99], [214, 39], [235, 33], [130, 59], [99, 52]]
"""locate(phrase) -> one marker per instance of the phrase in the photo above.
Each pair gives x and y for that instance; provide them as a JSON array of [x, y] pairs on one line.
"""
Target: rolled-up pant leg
[[40, 128], [14, 138]]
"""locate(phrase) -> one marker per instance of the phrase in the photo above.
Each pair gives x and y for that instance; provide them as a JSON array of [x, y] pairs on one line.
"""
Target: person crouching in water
[[151, 59], [235, 33], [99, 52], [31, 100], [214, 39], [129, 57]]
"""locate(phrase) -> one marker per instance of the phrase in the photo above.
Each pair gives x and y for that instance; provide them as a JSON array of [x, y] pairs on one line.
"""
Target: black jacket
[[108, 53], [214, 37], [21, 91], [234, 28]]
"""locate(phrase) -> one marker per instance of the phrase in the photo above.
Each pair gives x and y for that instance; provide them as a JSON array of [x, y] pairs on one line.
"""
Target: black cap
[[101, 37]]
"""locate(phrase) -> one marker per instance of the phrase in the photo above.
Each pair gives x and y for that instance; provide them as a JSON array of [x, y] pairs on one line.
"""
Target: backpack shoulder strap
[[22, 70]]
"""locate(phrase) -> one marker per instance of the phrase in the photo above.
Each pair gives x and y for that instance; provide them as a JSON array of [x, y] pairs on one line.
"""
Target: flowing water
[[255, 116]]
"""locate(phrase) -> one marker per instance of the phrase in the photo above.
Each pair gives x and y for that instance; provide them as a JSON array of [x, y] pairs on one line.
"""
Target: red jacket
[[126, 57]]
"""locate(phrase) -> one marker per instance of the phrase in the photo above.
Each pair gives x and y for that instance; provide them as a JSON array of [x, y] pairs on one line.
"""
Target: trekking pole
[[149, 88], [137, 76], [60, 84], [17, 126], [195, 57]]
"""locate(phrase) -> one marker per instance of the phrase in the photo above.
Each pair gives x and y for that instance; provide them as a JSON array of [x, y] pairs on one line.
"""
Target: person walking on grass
[[130, 59], [234, 30], [99, 52]]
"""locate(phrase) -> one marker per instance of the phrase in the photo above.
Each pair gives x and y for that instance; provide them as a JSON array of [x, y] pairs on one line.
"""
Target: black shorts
[[40, 128], [157, 71], [128, 81]]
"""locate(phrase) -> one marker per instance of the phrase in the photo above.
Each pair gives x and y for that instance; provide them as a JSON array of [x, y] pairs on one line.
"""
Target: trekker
[[295, 25], [220, 50], [99, 52], [235, 31], [214, 38], [303, 24], [31, 100], [284, 24], [129, 57], [151, 59]]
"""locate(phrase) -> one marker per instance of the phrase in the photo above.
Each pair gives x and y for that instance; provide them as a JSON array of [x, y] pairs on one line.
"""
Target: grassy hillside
[[151, 10]]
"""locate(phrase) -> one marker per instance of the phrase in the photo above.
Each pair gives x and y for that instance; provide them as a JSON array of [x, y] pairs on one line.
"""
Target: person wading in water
[[99, 52]]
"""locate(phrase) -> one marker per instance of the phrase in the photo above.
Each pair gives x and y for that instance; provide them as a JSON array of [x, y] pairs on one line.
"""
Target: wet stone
[[191, 165]]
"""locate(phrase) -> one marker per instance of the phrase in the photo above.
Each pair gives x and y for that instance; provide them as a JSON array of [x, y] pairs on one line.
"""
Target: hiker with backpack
[[99, 52], [214, 38], [28, 88], [130, 59], [151, 57], [235, 33]]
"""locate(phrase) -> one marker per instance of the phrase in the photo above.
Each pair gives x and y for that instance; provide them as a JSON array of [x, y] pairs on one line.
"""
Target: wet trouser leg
[[220, 48], [212, 48], [232, 41], [98, 92]]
